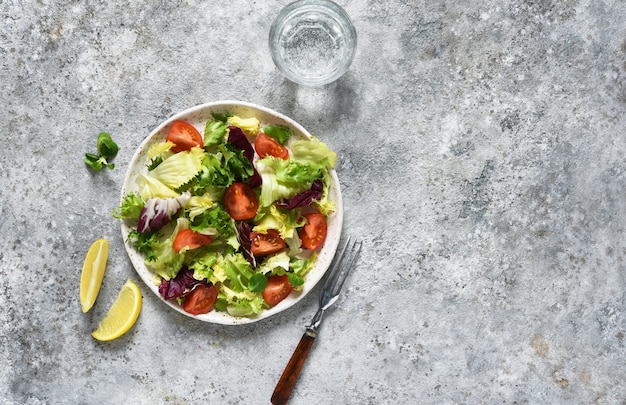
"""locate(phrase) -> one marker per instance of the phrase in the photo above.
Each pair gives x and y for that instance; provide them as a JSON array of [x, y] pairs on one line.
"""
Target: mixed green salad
[[231, 219]]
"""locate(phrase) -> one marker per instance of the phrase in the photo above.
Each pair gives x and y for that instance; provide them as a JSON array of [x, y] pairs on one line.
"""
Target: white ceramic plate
[[198, 116]]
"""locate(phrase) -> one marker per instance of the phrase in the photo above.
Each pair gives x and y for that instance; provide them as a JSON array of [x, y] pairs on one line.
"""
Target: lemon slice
[[93, 272], [122, 314]]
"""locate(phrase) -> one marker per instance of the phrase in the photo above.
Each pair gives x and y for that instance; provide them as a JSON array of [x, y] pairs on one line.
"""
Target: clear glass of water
[[312, 42]]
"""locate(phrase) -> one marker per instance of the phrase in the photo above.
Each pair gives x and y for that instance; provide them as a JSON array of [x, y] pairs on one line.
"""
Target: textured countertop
[[481, 157]]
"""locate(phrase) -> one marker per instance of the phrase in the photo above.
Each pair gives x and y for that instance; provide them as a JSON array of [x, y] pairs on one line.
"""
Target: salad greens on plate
[[231, 219]]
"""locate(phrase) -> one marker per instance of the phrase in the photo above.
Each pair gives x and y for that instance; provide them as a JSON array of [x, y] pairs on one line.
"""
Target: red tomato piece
[[184, 136], [191, 240], [313, 233], [277, 289], [266, 145], [200, 300], [264, 244], [240, 201]]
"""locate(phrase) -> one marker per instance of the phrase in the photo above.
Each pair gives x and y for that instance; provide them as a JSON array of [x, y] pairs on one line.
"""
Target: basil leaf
[[106, 147], [93, 161], [295, 280], [257, 282]]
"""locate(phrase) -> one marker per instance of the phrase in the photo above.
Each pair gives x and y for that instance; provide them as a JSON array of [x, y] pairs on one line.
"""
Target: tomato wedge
[[184, 136], [200, 300], [240, 201], [266, 145], [313, 233], [277, 289], [264, 244], [191, 240]]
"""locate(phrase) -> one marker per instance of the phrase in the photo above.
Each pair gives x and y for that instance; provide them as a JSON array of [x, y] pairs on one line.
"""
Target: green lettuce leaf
[[130, 207], [165, 261], [214, 133], [285, 178], [179, 168], [313, 151], [284, 221]]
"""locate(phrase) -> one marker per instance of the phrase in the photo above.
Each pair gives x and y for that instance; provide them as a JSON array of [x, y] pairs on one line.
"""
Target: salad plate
[[198, 116]]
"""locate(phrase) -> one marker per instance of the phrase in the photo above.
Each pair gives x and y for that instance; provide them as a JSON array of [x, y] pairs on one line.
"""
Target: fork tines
[[340, 267]]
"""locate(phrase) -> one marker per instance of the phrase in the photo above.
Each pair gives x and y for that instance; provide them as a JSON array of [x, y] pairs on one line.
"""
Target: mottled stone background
[[481, 147]]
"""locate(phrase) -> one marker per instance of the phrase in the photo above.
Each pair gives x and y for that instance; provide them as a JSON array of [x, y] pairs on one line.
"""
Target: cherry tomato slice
[[266, 145], [200, 300], [184, 136], [264, 244], [240, 202], [277, 289], [191, 240], [313, 233]]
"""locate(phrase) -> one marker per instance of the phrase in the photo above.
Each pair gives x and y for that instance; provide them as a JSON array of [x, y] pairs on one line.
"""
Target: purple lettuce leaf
[[243, 236], [303, 199], [238, 138], [157, 212], [179, 286]]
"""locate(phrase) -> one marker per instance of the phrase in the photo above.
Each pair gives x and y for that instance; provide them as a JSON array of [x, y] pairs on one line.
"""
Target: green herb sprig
[[107, 149]]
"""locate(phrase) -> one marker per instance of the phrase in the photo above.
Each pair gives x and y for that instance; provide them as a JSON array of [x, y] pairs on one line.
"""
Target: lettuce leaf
[[160, 149], [214, 133], [313, 151], [202, 266], [325, 205], [130, 208], [157, 212], [251, 126], [275, 265], [149, 187], [239, 286], [285, 178], [221, 169], [285, 222], [179, 168], [197, 204], [166, 262]]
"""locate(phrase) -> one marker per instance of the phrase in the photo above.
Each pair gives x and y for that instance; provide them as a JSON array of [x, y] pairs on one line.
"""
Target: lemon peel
[[93, 273], [122, 315]]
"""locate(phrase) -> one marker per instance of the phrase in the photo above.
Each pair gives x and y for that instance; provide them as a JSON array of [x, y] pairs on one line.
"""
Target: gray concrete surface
[[481, 154]]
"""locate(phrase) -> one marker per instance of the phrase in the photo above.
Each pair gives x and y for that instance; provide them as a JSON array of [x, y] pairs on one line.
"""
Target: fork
[[339, 270]]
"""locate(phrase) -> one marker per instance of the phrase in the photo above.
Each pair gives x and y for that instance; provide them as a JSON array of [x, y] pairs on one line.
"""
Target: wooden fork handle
[[292, 371]]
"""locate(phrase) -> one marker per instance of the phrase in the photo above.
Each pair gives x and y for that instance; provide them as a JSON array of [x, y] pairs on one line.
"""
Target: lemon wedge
[[93, 272], [122, 314]]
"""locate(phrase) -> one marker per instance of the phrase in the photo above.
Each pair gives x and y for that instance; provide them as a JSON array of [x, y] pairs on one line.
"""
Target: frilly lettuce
[[234, 270], [130, 207], [149, 187], [197, 205], [159, 149], [217, 220], [202, 266], [238, 285], [243, 303], [276, 264], [166, 261], [179, 168], [284, 221], [325, 204], [285, 178]]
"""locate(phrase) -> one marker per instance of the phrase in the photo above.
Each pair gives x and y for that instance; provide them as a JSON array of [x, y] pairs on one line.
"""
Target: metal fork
[[339, 270]]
